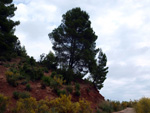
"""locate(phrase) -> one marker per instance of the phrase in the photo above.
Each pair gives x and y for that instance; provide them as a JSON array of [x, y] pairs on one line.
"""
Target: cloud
[[123, 31]]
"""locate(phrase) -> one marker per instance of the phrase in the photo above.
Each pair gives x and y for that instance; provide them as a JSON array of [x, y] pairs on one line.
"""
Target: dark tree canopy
[[74, 41], [8, 41], [99, 70]]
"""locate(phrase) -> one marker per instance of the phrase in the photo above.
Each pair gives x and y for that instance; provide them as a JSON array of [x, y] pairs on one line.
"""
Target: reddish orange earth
[[92, 94]]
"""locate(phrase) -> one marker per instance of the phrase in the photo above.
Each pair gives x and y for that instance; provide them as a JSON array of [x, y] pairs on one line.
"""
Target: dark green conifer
[[74, 41], [9, 43], [99, 70]]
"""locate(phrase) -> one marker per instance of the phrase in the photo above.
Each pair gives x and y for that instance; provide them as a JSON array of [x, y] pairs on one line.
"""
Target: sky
[[123, 30]]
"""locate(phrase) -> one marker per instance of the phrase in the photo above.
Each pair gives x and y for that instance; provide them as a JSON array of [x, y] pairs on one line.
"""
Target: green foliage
[[114, 106], [77, 89], [18, 95], [32, 61], [27, 105], [117, 106], [143, 105], [77, 86], [24, 82], [69, 89], [46, 80], [31, 72], [77, 93], [53, 74], [99, 70], [9, 43], [28, 87], [49, 61], [2, 58], [56, 81], [61, 92], [4, 101], [62, 104], [74, 41], [106, 106], [12, 78], [68, 75]]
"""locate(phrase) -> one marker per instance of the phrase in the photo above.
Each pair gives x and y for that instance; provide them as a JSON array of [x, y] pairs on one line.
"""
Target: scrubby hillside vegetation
[[54, 83]]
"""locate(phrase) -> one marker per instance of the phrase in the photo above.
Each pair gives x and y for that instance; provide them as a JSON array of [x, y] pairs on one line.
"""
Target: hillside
[[87, 90]]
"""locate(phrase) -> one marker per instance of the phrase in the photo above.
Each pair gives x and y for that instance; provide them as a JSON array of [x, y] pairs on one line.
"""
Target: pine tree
[[9, 43], [99, 70], [74, 41]]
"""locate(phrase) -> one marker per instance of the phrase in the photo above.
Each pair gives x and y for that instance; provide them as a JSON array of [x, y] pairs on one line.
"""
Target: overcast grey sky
[[123, 30]]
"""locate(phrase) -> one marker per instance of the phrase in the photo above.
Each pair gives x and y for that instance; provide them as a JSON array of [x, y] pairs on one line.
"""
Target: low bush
[[4, 101], [117, 106], [106, 107], [77, 86], [18, 95], [27, 105], [61, 92], [31, 72], [56, 82], [62, 104], [24, 82], [28, 87], [77, 89], [143, 105], [77, 93], [46, 80], [12, 78], [68, 75], [84, 106], [69, 89]]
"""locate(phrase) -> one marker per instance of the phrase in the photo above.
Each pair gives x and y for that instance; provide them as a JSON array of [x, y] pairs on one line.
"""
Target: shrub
[[88, 90], [77, 93], [46, 80], [106, 106], [77, 86], [49, 61], [28, 87], [12, 78], [61, 92], [24, 82], [116, 105], [84, 106], [143, 105], [27, 105], [53, 74], [68, 75], [69, 89], [2, 58], [56, 82], [62, 104], [30, 72], [18, 95], [77, 89], [4, 101]]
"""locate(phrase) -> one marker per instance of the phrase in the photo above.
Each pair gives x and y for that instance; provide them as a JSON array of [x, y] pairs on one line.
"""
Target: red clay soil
[[88, 91]]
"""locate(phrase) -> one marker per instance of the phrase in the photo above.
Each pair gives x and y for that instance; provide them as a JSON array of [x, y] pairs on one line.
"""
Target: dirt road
[[128, 110]]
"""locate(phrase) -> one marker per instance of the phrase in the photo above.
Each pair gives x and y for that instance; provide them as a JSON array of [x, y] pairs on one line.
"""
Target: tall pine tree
[[9, 43], [74, 41]]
